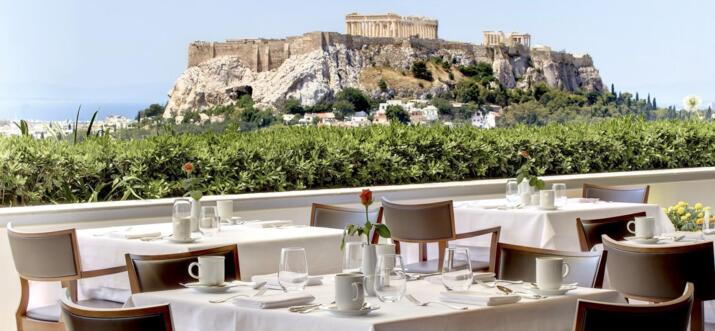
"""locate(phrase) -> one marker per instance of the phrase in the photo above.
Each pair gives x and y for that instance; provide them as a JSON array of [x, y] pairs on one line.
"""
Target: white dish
[[560, 291], [361, 312], [214, 289], [184, 241], [647, 241]]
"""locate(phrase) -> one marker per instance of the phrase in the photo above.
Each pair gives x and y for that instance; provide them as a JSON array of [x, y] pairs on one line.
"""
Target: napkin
[[110, 294], [490, 204], [274, 301], [485, 276], [134, 234], [268, 224], [478, 298], [272, 280]]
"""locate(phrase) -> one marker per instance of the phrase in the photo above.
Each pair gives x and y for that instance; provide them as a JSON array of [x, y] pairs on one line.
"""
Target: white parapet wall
[[667, 188]]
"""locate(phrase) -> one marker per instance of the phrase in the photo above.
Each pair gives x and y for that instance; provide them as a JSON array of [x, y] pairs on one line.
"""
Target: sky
[[55, 55]]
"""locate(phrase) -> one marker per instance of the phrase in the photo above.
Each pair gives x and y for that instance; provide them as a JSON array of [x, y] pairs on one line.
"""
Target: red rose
[[366, 197], [188, 167], [524, 154]]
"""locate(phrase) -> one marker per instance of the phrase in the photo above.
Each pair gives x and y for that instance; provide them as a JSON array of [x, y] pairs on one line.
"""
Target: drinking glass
[[352, 258], [181, 209], [390, 278], [210, 222], [293, 270], [457, 269], [512, 193], [560, 198]]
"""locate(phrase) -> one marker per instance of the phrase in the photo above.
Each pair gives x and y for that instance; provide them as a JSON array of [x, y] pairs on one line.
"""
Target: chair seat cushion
[[52, 313], [431, 266]]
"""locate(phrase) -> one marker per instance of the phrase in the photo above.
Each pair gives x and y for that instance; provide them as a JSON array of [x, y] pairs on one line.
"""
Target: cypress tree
[[648, 102], [613, 89], [637, 98], [655, 104], [709, 114]]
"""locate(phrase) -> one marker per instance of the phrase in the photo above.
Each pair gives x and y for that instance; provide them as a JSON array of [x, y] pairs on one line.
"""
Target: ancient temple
[[390, 25], [496, 38]]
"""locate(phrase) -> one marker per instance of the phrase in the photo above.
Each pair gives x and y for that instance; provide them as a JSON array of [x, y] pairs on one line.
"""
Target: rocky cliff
[[315, 66]]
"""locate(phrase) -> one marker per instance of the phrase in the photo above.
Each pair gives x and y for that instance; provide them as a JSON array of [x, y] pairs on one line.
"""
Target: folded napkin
[[110, 294], [272, 280], [274, 301], [484, 276], [478, 298], [134, 234], [268, 224]]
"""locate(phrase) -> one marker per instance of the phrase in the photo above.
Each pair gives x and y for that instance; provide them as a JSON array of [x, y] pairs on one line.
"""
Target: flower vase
[[525, 191], [195, 214], [369, 263]]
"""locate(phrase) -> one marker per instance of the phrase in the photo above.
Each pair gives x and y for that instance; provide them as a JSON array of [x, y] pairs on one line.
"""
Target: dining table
[[192, 310]]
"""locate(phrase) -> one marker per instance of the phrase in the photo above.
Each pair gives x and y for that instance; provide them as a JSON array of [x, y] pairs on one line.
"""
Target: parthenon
[[390, 25], [496, 38]]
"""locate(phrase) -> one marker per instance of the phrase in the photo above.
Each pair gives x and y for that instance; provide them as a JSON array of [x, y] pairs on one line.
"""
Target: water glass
[[210, 222], [457, 269], [352, 258], [293, 269], [181, 219], [512, 193], [390, 278], [560, 197]]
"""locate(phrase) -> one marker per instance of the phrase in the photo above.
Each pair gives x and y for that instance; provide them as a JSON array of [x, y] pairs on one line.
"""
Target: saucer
[[647, 241], [333, 309], [560, 291], [544, 208], [210, 288], [184, 241]]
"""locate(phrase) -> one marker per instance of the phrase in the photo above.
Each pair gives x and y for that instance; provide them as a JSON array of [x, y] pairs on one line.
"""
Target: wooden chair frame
[[600, 271], [69, 282], [315, 206], [586, 186], [583, 242], [134, 277]]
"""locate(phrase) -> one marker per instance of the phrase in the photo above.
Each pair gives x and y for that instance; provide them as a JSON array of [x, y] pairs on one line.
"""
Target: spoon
[[509, 291]]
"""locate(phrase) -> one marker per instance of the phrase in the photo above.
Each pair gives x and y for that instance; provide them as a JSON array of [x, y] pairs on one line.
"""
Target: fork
[[425, 303], [260, 292], [509, 291]]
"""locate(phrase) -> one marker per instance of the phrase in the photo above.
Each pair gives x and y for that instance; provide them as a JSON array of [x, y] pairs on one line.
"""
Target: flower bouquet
[[686, 217]]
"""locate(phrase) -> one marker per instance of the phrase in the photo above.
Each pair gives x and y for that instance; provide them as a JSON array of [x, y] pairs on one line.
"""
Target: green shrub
[[36, 171], [420, 71]]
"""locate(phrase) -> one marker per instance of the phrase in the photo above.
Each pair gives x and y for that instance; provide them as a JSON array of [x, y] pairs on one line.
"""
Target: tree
[[613, 89], [709, 114], [443, 106], [468, 90], [359, 100], [292, 106], [382, 84], [153, 110], [637, 97], [655, 104], [420, 71], [343, 108], [397, 113]]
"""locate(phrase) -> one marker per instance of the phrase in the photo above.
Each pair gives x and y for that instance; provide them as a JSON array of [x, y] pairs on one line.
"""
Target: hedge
[[298, 158]]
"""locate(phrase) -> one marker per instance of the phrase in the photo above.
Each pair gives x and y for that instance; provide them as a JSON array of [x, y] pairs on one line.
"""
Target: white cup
[[349, 291], [550, 272], [181, 228], [225, 209], [211, 270], [547, 199], [644, 227]]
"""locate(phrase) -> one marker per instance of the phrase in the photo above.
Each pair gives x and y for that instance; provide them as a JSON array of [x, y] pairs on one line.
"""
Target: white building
[[359, 119], [487, 121]]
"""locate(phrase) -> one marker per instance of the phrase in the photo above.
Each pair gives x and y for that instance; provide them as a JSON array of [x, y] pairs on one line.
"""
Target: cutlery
[[413, 276], [154, 238], [509, 291], [113, 231], [425, 303], [494, 283], [567, 285], [260, 292], [304, 309], [253, 285]]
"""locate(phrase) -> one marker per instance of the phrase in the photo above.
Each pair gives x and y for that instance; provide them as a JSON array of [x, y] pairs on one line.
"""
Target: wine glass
[[560, 198], [390, 278], [293, 269], [512, 193], [457, 269], [352, 258], [210, 222]]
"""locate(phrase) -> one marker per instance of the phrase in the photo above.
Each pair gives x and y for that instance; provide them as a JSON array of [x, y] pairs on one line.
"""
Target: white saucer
[[561, 291], [210, 288], [184, 241], [333, 309], [552, 208], [647, 241]]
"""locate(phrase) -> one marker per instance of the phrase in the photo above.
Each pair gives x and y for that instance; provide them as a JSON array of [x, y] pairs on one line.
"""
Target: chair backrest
[[519, 263], [590, 231], [660, 273], [427, 222], [148, 273], [45, 256], [671, 315], [635, 194], [78, 318], [335, 217]]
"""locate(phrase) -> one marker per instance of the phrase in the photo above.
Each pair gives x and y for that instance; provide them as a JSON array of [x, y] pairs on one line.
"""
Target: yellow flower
[[681, 210], [682, 203], [706, 208], [701, 215], [687, 216], [698, 206], [699, 221], [666, 210]]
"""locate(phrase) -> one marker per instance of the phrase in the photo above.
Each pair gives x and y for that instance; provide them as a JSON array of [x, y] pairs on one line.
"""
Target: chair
[[148, 273], [519, 263], [658, 274], [77, 318], [335, 217], [49, 257], [590, 231], [638, 194], [670, 315], [431, 223]]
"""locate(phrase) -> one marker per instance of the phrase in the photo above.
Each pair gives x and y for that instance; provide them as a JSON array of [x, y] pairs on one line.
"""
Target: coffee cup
[[550, 272], [224, 209], [547, 199], [349, 291], [644, 227], [211, 270]]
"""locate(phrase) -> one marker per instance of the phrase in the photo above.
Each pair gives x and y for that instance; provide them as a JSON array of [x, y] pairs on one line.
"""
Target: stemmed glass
[[512, 193], [390, 278], [210, 222], [560, 197], [457, 269], [293, 269], [352, 260]]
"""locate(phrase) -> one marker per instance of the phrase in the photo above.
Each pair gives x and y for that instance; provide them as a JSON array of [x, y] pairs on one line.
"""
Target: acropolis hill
[[316, 65]]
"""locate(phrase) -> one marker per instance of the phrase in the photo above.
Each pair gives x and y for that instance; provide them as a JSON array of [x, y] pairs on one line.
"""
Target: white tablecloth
[[259, 250], [192, 311]]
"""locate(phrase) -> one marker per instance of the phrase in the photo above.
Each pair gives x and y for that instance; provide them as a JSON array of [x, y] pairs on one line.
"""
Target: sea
[[66, 110]]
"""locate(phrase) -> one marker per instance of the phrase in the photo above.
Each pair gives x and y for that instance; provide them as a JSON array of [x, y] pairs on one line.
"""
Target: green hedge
[[298, 158]]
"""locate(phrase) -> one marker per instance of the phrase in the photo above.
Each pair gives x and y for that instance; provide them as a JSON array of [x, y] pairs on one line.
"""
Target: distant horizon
[[99, 59]]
